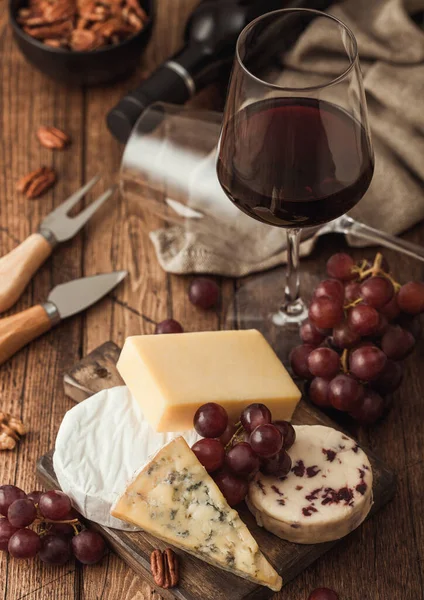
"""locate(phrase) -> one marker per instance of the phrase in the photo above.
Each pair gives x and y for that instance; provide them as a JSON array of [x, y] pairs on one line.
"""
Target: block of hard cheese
[[172, 375]]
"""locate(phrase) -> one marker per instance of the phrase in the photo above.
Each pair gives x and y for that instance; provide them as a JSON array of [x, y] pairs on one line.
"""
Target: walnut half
[[11, 430]]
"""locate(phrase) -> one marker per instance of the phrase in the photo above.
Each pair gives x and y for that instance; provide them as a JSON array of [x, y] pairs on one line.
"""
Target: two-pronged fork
[[18, 267]]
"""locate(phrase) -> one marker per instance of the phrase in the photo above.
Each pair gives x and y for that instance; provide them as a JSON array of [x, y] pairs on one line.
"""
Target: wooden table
[[384, 559]]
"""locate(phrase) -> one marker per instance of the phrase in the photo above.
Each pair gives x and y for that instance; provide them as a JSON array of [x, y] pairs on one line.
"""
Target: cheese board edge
[[98, 367]]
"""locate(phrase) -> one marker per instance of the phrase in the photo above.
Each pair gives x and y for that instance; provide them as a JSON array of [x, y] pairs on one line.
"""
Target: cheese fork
[[18, 266], [64, 301]]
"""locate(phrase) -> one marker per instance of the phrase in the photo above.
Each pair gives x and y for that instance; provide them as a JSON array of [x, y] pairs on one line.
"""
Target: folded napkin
[[391, 48]]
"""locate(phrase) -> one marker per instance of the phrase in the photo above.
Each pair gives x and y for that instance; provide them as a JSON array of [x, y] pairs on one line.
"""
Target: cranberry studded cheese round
[[326, 495]]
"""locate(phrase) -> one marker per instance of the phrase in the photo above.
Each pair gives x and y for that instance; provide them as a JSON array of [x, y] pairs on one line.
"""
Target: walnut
[[11, 430]]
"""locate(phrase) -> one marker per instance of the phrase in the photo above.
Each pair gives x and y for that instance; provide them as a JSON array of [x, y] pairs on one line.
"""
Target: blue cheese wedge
[[326, 495], [176, 500]]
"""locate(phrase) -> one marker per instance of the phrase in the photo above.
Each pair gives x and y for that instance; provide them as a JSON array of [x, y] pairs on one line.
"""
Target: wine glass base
[[292, 315], [254, 307]]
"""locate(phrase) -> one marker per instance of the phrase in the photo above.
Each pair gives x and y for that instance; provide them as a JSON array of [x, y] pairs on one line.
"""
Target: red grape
[[370, 409], [310, 334], [54, 505], [410, 323], [55, 550], [377, 291], [35, 496], [64, 530], [287, 431], [89, 547], [266, 440], [389, 379], [397, 342], [391, 310], [232, 488], [8, 494], [324, 362], [21, 513], [204, 292], [6, 532], [318, 392], [383, 324], [345, 393], [340, 266], [333, 288], [344, 336], [299, 361], [325, 312], [363, 319], [169, 326], [242, 460], [255, 415], [367, 363], [352, 291], [25, 543], [411, 297], [228, 434], [278, 465], [210, 453], [211, 420], [323, 594]]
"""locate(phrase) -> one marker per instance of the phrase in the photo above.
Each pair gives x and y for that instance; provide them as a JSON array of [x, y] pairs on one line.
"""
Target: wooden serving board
[[199, 581]]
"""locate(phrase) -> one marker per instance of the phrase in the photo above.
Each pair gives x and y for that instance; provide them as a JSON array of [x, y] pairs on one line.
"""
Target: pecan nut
[[164, 566], [51, 137], [37, 182], [84, 40]]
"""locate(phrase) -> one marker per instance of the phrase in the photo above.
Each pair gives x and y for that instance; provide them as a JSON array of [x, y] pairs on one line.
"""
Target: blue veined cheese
[[326, 495], [175, 499]]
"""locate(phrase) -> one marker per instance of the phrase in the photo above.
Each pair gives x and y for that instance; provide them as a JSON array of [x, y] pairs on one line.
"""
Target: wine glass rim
[[275, 86]]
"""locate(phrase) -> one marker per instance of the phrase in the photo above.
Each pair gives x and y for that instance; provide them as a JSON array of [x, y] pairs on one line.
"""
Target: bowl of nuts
[[82, 42]]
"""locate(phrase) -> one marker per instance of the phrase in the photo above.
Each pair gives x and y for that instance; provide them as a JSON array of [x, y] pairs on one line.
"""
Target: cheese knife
[[18, 266], [64, 301]]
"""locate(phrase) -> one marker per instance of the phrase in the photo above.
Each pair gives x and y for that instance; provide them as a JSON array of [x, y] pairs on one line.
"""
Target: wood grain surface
[[384, 559], [98, 371]]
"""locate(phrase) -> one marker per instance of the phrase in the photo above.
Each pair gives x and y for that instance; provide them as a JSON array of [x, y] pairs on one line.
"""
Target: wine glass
[[295, 147]]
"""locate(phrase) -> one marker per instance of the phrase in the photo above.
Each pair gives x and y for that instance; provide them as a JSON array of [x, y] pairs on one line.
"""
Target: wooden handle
[[18, 267], [16, 331]]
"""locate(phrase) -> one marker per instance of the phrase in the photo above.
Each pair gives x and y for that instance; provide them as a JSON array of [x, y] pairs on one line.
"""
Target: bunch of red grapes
[[234, 453], [361, 324], [58, 536]]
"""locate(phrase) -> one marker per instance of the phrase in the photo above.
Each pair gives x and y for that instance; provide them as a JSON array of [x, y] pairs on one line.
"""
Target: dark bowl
[[83, 68]]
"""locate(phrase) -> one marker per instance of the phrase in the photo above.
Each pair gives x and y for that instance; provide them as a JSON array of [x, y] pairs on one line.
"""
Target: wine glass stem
[[293, 305]]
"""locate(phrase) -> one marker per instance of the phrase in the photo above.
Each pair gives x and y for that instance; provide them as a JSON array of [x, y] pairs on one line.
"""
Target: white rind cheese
[[100, 444], [327, 494], [175, 499]]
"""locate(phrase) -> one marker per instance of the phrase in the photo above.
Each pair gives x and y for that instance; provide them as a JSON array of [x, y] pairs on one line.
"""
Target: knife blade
[[64, 301], [75, 296]]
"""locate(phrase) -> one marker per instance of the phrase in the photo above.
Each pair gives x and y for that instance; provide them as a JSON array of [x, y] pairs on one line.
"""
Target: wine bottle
[[210, 39]]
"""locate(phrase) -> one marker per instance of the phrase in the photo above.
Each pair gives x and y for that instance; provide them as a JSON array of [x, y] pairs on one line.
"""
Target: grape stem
[[343, 360], [353, 303], [238, 432], [375, 270]]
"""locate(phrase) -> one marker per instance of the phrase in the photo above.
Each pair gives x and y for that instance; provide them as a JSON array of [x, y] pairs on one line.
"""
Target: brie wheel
[[100, 444]]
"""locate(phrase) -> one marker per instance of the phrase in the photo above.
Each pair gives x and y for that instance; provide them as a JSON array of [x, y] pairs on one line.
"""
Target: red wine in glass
[[295, 148], [294, 162]]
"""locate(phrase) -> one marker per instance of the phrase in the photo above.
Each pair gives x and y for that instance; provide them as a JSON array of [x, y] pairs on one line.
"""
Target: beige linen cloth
[[391, 49]]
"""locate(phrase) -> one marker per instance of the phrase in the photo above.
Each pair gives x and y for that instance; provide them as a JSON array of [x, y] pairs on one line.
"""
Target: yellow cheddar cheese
[[172, 375]]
